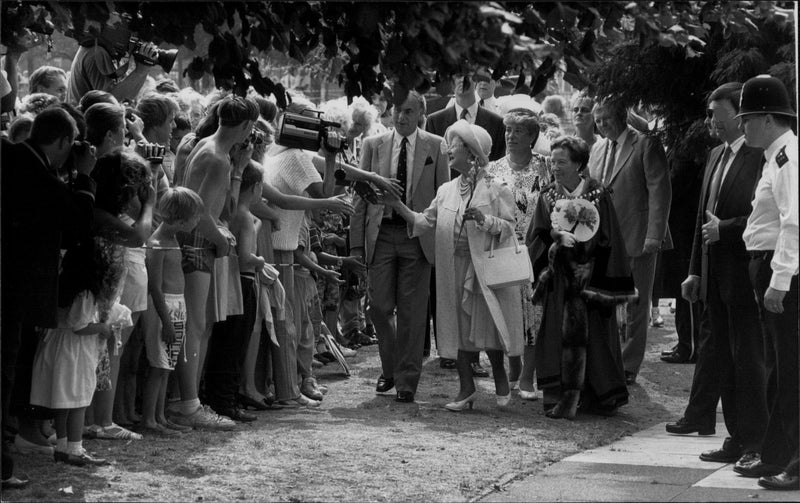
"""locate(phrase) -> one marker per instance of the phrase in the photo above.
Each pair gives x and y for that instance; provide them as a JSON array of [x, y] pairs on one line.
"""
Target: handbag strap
[[491, 245]]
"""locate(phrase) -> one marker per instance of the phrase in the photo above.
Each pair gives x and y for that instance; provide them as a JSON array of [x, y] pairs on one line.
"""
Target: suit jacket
[[727, 259], [429, 172], [640, 188], [37, 210], [439, 122]]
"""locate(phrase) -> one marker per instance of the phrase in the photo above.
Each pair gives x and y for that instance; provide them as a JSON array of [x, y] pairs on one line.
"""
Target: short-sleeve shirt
[[91, 69], [290, 172]]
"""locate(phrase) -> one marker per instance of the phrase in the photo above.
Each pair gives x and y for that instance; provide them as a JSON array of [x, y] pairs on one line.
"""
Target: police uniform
[[771, 238]]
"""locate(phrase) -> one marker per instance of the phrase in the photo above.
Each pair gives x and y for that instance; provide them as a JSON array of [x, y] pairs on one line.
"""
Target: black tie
[[464, 114], [402, 168], [609, 168], [480, 102], [716, 181]]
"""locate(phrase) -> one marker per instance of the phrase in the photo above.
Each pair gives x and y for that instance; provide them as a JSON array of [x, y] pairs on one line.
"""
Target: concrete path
[[650, 465]]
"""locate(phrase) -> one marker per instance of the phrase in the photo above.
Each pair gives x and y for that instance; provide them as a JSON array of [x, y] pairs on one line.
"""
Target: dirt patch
[[363, 447]]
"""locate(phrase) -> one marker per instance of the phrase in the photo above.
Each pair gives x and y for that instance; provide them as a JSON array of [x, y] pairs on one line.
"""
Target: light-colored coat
[[497, 203], [429, 172], [641, 189]]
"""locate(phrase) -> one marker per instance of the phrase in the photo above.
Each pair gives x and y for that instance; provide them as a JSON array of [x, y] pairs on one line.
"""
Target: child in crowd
[[180, 210], [244, 230], [66, 361]]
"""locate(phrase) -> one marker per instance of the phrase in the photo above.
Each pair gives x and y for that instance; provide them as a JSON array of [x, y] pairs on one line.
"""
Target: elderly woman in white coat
[[467, 214]]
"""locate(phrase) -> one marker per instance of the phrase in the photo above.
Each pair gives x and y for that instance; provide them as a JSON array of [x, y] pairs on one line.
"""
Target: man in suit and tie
[[467, 107], [634, 167], [399, 266], [730, 360]]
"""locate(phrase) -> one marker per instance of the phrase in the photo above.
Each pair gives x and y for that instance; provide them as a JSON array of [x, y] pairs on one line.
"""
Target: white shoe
[[528, 395], [304, 401], [23, 446], [513, 385], [347, 352], [503, 401]]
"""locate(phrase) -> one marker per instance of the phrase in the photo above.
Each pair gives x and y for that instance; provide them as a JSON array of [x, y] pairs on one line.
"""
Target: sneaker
[[23, 446], [655, 318], [203, 418], [116, 432], [347, 352], [309, 389]]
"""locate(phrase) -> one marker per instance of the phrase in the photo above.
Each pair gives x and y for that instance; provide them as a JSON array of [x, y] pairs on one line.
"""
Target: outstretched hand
[[338, 204], [388, 185]]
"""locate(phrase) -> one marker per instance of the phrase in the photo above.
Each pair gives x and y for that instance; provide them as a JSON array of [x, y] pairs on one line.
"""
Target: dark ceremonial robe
[[581, 314]]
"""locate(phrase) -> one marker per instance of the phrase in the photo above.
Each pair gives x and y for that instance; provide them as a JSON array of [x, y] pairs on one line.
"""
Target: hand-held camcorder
[[120, 41], [309, 133]]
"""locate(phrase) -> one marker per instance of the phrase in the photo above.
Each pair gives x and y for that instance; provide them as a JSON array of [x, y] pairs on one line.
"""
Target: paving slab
[[650, 465]]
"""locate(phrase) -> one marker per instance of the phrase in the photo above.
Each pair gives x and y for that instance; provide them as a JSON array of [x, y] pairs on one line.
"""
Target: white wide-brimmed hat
[[477, 139]]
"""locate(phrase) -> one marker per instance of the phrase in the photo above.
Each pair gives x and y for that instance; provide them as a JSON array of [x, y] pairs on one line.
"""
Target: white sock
[[61, 444], [75, 447], [189, 406]]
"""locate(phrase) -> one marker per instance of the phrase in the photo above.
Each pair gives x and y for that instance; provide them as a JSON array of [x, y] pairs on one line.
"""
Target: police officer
[[771, 238]]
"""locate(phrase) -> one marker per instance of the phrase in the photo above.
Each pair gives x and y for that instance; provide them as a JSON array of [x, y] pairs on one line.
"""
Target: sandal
[[116, 432]]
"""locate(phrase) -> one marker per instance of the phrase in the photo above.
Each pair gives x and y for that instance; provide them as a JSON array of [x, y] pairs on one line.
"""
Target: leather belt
[[761, 254]]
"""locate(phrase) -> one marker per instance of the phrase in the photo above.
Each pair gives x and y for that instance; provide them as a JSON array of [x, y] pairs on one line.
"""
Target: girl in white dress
[[66, 360]]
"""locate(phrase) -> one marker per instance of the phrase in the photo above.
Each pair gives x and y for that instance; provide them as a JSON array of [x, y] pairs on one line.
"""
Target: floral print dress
[[525, 185]]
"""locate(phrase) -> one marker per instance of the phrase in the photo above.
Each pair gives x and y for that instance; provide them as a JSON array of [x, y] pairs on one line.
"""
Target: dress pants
[[704, 396], [399, 280], [739, 346], [781, 441], [284, 357], [227, 349], [688, 332], [643, 268]]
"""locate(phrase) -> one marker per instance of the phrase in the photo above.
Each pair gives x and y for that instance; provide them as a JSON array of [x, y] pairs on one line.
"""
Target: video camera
[[309, 133], [120, 41]]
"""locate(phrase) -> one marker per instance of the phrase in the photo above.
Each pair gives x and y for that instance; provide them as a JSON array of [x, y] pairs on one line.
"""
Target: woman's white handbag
[[507, 266]]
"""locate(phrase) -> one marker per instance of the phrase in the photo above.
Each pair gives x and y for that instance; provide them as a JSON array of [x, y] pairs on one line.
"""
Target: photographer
[[37, 208], [94, 68]]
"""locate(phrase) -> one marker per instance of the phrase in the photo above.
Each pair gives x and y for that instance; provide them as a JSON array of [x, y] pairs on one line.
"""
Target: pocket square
[[428, 161]]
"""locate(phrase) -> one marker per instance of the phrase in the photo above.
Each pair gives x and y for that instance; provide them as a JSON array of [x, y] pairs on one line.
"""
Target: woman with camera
[[468, 213]]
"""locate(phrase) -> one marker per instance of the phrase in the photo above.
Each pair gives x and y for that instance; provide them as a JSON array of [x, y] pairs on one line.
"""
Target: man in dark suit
[[399, 266], [466, 107], [37, 209], [721, 262], [718, 274], [634, 166]]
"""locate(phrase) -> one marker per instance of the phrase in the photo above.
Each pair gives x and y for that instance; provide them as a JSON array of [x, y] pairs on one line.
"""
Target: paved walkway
[[650, 465]]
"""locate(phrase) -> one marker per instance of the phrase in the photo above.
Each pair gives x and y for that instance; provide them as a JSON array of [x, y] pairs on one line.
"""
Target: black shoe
[[684, 427], [630, 378], [676, 357], [720, 456], [781, 482], [670, 351], [248, 401], [447, 363], [479, 371], [756, 469], [404, 397], [236, 414], [384, 384]]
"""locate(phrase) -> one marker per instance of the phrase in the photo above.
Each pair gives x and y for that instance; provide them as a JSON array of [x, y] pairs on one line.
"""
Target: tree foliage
[[409, 44], [674, 82]]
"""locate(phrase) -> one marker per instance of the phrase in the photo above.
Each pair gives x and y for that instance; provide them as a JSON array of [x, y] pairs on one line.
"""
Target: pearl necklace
[[518, 166]]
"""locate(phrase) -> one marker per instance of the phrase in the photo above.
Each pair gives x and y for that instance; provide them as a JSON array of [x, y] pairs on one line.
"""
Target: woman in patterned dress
[[524, 172]]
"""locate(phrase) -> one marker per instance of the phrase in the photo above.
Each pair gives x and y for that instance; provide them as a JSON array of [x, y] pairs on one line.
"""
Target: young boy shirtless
[[180, 209]]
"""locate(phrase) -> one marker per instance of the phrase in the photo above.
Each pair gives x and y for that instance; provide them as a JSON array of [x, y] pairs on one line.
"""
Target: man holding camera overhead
[[400, 267], [94, 67]]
